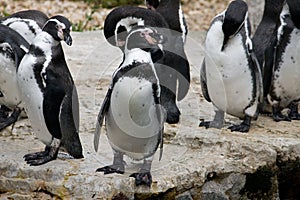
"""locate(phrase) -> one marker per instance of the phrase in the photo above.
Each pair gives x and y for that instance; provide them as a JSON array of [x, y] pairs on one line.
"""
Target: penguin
[[132, 107], [282, 64], [12, 49], [173, 67], [230, 73], [48, 92], [262, 39], [27, 24], [172, 12]]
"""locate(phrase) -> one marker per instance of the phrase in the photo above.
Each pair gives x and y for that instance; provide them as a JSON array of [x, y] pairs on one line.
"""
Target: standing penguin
[[262, 39], [171, 68], [131, 108], [27, 24], [282, 64], [176, 57], [49, 94], [230, 74], [12, 49]]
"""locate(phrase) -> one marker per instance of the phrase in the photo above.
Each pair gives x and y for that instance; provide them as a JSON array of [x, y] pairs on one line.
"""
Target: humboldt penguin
[[230, 74]]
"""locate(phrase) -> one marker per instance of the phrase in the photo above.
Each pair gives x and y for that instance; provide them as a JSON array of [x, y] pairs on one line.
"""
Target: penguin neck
[[136, 55], [45, 41]]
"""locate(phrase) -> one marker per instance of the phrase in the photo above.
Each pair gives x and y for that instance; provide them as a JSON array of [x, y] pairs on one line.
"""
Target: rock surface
[[197, 163]]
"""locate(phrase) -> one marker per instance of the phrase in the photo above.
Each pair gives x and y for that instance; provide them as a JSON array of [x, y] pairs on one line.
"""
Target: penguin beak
[[68, 39]]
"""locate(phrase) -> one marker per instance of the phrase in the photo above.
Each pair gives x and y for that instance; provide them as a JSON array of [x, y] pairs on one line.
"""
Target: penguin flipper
[[102, 112], [183, 68], [269, 64], [53, 98], [258, 76], [203, 81]]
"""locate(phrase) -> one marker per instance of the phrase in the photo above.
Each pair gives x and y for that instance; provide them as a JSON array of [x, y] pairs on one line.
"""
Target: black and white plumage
[[131, 108], [282, 64], [266, 28], [49, 94], [230, 74], [262, 39], [27, 24], [12, 49], [173, 14], [171, 68]]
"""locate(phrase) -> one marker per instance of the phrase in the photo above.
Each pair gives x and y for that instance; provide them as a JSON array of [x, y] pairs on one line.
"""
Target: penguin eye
[[143, 34]]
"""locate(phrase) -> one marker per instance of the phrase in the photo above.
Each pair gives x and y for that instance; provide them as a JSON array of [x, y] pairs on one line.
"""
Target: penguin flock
[[240, 75]]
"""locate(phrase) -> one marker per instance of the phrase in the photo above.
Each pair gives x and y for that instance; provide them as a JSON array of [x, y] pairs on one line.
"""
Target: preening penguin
[[49, 94], [131, 108], [230, 74], [282, 64], [12, 49], [116, 27]]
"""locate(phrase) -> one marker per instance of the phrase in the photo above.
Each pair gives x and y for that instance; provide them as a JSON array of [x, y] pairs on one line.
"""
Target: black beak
[[68, 39]]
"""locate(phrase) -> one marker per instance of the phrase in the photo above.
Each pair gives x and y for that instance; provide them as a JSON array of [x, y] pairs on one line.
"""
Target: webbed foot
[[244, 127], [119, 169], [142, 178], [39, 158]]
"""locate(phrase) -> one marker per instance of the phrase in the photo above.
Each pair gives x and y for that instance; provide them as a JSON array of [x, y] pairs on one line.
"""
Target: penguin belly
[[8, 82], [132, 121], [286, 79], [229, 79], [32, 97]]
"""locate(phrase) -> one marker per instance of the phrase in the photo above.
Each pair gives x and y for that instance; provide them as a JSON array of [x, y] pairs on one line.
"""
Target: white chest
[[229, 80], [32, 97], [286, 77], [133, 122]]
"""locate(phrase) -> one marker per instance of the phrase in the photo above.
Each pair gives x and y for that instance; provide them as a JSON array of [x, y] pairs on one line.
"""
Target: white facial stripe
[[127, 23], [60, 24]]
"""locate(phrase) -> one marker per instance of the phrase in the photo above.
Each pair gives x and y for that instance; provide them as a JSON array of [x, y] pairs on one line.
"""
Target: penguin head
[[152, 4], [235, 16], [147, 39], [59, 28]]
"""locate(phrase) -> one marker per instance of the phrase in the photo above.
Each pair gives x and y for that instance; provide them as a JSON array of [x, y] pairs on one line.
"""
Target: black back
[[39, 17], [268, 25], [294, 6], [169, 9]]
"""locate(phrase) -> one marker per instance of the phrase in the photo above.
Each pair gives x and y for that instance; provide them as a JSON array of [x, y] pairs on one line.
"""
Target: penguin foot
[[7, 121], [244, 128], [210, 124], [277, 117], [142, 178], [294, 116], [39, 158], [119, 169]]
